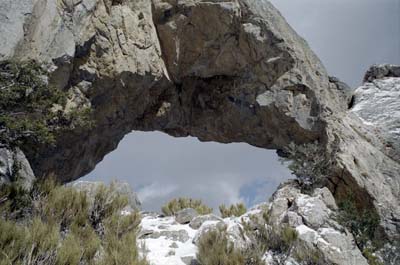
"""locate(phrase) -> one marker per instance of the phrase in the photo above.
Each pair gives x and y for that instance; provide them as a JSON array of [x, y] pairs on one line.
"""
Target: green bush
[[62, 226], [372, 259], [306, 255], [66, 206], [14, 244], [309, 163], [30, 109], [363, 224], [175, 205], [215, 249], [120, 237], [264, 237], [234, 210]]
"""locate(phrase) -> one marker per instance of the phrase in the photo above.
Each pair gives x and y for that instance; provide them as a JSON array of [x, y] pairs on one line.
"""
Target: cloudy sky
[[348, 36]]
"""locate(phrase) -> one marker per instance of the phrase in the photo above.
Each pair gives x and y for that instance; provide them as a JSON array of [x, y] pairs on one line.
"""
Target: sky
[[348, 36]]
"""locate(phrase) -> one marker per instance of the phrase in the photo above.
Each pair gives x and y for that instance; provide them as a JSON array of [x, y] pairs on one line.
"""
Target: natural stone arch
[[227, 71]]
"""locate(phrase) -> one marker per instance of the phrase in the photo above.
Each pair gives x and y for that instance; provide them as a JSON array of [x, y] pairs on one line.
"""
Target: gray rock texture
[[320, 230], [199, 220], [156, 65], [376, 103], [15, 167], [334, 243], [185, 216]]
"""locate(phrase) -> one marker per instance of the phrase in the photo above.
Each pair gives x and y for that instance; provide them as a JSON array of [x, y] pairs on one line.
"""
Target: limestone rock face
[[369, 146], [376, 103], [319, 230], [159, 65], [15, 167]]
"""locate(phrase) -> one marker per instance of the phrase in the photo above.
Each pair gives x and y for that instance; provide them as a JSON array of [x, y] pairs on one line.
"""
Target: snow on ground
[[165, 249]]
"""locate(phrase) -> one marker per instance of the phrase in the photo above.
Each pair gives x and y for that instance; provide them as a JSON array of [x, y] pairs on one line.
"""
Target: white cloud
[[155, 191]]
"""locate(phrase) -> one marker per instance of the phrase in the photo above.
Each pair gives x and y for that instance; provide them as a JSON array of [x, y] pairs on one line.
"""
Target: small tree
[[309, 162]]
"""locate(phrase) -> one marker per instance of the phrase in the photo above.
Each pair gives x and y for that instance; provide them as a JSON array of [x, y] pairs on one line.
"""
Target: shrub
[[107, 202], [66, 206], [289, 236], [13, 243], [234, 210], [309, 163], [372, 259], [215, 249], [306, 255], [120, 241], [59, 229], [175, 205], [28, 111], [362, 223], [264, 237]]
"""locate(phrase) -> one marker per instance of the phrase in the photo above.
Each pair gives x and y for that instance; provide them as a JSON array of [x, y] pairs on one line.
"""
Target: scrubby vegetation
[[215, 248], [175, 205], [30, 109], [266, 237], [309, 163], [363, 224], [306, 255], [234, 210], [59, 225]]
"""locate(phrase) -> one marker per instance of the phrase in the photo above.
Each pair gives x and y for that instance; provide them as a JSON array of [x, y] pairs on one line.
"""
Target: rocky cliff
[[226, 71]]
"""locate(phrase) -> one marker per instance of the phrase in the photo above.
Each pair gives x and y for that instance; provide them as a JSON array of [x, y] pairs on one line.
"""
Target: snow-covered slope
[[166, 242]]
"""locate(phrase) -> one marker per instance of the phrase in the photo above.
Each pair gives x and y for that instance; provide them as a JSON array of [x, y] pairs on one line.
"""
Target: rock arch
[[226, 71]]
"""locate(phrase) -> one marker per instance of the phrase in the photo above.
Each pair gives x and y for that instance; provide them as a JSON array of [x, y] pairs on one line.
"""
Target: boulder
[[381, 71], [199, 220], [185, 216], [14, 166], [313, 211], [190, 260]]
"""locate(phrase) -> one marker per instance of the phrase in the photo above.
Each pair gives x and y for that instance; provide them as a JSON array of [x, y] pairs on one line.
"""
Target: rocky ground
[[172, 240]]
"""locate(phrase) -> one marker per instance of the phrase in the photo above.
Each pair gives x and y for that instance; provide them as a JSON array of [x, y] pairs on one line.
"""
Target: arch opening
[[159, 168]]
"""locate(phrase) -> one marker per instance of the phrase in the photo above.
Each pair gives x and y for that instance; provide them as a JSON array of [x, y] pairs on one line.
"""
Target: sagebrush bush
[[175, 205], [63, 226], [215, 249], [235, 210]]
